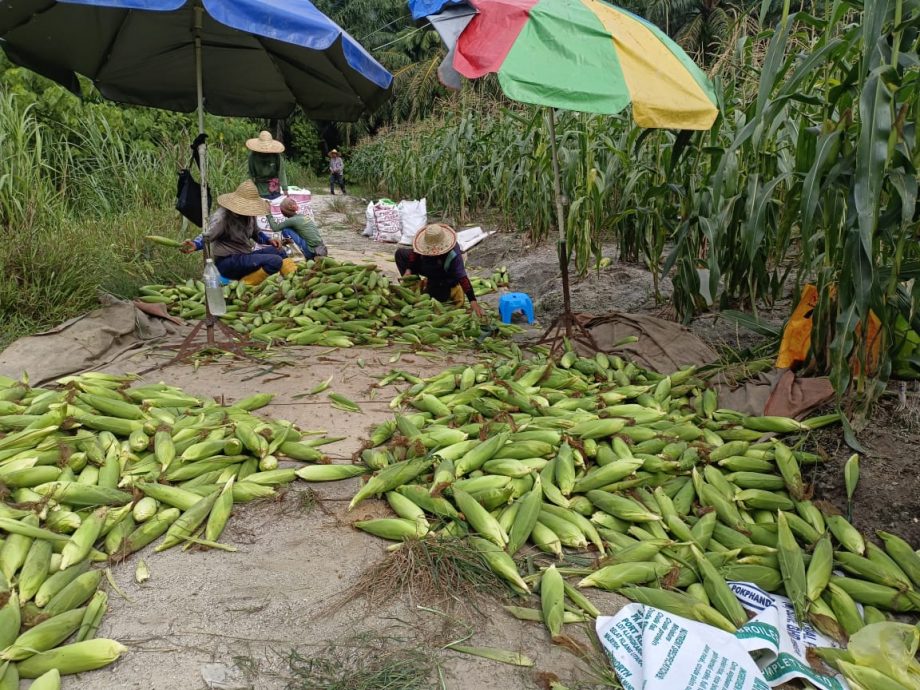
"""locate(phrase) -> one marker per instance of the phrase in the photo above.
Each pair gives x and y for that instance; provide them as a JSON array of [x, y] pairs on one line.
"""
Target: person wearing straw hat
[[436, 258], [266, 165], [234, 236], [336, 172]]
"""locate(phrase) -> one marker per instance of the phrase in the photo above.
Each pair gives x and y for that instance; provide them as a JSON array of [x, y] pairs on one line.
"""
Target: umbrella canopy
[[423, 8], [587, 56], [260, 58]]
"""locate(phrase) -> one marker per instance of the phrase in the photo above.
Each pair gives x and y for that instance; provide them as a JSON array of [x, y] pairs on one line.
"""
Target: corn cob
[[720, 595], [187, 523], [552, 601], [391, 477], [613, 577], [35, 569], [78, 657], [58, 581], [792, 566], [536, 615], [148, 532], [500, 562], [679, 605], [16, 547], [819, 569], [46, 635], [220, 513], [546, 540], [846, 534], [902, 554], [82, 541], [50, 680], [479, 518], [74, 594], [876, 595], [880, 573], [844, 608], [396, 529]]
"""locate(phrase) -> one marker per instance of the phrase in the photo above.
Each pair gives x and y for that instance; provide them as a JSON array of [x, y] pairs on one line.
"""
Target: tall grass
[[79, 190]]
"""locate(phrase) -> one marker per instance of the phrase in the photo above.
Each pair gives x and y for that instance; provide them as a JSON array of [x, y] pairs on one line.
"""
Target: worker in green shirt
[[266, 165], [298, 229]]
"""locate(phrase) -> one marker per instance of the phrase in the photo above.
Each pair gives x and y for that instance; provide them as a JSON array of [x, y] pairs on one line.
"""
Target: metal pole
[[203, 163], [560, 223]]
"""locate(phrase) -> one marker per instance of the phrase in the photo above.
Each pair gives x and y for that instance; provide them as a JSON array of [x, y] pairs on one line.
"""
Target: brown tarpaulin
[[86, 342], [665, 346]]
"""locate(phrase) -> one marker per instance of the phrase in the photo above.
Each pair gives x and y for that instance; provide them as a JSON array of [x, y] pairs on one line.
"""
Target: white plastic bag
[[414, 217], [386, 219], [370, 225]]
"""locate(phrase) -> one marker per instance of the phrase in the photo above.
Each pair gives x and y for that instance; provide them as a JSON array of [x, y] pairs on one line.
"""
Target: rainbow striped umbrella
[[583, 55], [588, 56]]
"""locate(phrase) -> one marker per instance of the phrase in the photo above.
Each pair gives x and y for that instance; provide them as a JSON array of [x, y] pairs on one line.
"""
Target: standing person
[[435, 257], [266, 165], [298, 229], [233, 235], [336, 172]]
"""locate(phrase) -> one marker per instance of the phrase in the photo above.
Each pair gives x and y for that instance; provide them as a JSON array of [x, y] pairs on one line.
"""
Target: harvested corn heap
[[96, 469], [672, 496], [334, 304]]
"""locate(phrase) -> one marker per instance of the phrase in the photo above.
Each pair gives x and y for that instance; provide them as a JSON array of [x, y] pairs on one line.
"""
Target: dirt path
[[251, 608]]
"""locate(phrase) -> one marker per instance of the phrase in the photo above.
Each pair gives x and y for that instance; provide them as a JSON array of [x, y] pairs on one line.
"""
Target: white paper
[[777, 641], [655, 650], [470, 237]]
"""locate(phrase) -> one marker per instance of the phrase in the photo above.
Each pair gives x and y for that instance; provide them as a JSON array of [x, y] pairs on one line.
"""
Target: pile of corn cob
[[498, 279], [95, 469], [636, 483], [334, 304]]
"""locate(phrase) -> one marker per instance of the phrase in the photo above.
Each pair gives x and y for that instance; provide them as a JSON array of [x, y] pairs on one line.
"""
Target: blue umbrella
[[248, 58]]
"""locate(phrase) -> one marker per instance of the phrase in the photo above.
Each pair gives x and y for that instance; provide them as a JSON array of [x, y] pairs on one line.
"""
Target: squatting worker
[[336, 172], [234, 234], [299, 229], [435, 257], [266, 165]]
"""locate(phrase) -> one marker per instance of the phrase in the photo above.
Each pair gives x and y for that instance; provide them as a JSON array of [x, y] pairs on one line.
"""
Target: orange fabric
[[254, 278], [797, 336], [793, 349], [288, 266]]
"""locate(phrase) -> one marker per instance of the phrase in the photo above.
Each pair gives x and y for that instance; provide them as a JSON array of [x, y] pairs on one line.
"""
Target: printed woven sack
[[389, 225]]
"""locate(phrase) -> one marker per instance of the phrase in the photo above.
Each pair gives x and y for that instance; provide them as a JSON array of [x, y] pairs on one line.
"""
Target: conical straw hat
[[434, 240], [245, 201], [264, 144]]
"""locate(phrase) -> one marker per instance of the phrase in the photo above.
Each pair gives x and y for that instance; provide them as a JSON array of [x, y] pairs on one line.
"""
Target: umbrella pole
[[203, 164], [566, 320], [560, 224], [189, 345]]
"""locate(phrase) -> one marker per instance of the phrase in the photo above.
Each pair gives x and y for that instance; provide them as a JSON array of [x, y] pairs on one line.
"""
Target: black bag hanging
[[188, 190]]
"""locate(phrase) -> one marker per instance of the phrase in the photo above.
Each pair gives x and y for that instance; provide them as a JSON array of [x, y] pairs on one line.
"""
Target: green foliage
[[81, 183], [810, 174], [306, 147]]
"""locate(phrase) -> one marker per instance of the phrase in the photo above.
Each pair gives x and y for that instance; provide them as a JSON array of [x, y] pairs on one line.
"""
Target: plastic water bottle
[[213, 290]]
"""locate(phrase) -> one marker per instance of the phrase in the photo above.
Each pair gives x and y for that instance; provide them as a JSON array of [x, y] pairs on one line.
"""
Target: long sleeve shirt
[[302, 225], [231, 235], [336, 165], [443, 273], [264, 167]]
